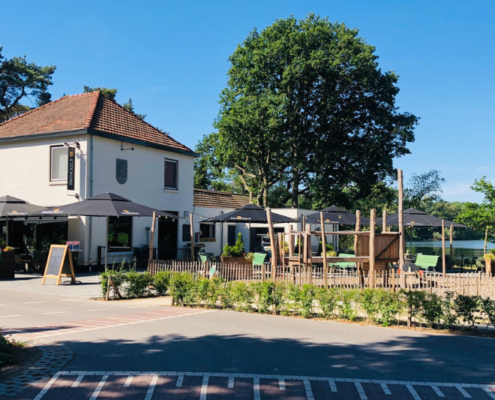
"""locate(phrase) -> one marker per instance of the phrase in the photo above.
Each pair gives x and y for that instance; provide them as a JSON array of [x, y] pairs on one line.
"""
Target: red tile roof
[[88, 111], [212, 199]]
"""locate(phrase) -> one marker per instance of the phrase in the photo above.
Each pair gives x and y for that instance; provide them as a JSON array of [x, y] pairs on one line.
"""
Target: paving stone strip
[[53, 358]]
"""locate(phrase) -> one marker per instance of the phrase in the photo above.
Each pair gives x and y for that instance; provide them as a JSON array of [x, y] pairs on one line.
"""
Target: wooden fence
[[468, 283]]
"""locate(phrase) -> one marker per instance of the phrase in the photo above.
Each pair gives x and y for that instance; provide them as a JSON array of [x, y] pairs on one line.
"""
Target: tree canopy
[[20, 79], [112, 94], [307, 104]]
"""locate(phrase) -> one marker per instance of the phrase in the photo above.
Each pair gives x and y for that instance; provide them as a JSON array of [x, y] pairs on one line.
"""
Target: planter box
[[7, 265], [242, 268], [236, 260]]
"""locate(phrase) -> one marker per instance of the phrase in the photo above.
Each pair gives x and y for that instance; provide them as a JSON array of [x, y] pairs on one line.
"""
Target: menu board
[[59, 263]]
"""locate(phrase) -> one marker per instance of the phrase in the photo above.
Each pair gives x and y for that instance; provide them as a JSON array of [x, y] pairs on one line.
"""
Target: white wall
[[25, 173], [215, 247]]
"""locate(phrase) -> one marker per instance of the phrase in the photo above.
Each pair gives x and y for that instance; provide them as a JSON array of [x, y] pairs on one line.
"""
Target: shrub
[[488, 308], [389, 306], [162, 282], [265, 292], [207, 291], [138, 283], [367, 301], [449, 318], [327, 299], [6, 352], [465, 307], [119, 277], [345, 306], [241, 296], [182, 288], [306, 301], [238, 250]]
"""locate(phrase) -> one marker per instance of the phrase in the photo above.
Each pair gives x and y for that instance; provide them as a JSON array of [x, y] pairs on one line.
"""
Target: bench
[[426, 262], [344, 264]]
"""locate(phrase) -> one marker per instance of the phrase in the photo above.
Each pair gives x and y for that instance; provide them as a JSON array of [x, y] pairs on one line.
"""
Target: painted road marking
[[463, 392], [385, 388], [333, 387], [99, 387], [8, 316], [91, 325], [56, 312], [361, 392], [437, 391], [306, 380], [151, 388], [128, 381], [204, 388]]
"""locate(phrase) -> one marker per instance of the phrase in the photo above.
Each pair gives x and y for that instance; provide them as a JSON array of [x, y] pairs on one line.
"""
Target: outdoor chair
[[427, 262]]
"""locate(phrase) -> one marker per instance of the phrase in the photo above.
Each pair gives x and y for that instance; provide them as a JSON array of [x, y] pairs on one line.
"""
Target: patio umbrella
[[13, 207], [334, 215], [105, 205], [413, 217], [250, 213]]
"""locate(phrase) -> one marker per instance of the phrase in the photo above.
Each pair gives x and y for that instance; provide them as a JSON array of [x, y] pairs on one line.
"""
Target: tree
[[423, 190], [306, 102], [130, 107], [481, 217], [22, 80], [108, 93]]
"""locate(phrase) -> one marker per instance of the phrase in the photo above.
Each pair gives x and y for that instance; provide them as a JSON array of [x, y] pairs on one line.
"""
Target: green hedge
[[376, 305]]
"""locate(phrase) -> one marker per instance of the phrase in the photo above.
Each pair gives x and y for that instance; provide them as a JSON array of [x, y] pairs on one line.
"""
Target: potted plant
[[7, 263], [236, 254]]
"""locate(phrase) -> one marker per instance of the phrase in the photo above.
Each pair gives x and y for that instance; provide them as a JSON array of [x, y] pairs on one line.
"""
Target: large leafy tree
[[423, 190], [112, 94], [481, 217], [307, 103], [21, 80]]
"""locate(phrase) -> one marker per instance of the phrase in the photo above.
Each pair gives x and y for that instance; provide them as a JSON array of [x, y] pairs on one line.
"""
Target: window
[[186, 233], [207, 232], [119, 233], [59, 159], [170, 174]]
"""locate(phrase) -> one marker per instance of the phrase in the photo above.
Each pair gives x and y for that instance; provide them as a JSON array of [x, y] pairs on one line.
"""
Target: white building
[[114, 151]]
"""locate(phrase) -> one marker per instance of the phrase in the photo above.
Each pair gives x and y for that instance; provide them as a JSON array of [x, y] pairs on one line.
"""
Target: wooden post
[[401, 229], [451, 241], [191, 231], [291, 242], [384, 221], [372, 248], [359, 266], [444, 265], [272, 239], [152, 236], [324, 249]]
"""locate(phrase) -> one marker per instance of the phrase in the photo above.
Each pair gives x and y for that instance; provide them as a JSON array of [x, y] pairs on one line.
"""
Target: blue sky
[[171, 59]]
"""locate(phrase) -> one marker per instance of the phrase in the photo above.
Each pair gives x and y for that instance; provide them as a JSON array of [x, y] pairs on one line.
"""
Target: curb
[[53, 358]]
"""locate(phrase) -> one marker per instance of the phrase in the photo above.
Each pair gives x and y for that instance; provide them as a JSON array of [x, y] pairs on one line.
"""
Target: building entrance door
[[168, 231]]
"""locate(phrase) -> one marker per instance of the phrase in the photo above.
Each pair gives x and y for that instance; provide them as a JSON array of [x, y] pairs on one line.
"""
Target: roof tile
[[213, 199]]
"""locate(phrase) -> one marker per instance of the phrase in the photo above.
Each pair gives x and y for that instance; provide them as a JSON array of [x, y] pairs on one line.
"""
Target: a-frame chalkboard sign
[[59, 263]]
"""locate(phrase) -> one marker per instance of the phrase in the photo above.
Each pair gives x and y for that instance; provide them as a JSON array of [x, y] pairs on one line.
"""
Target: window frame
[[165, 187], [212, 228], [186, 234], [50, 173]]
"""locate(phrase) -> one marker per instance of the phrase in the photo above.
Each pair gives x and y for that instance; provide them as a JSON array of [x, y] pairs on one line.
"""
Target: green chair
[[259, 258], [344, 264], [426, 262]]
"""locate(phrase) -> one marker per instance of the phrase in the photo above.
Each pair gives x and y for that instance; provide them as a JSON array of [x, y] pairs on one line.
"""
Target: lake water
[[470, 248]]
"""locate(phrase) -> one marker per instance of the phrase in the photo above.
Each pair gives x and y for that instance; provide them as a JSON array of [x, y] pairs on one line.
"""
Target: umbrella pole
[[7, 229], [106, 247], [152, 237], [451, 240], [272, 239], [444, 266], [191, 232]]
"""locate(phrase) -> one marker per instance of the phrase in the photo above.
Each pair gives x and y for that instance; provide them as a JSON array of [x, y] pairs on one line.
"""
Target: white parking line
[[180, 380], [489, 392], [97, 391], [78, 381], [47, 386], [56, 312], [333, 386], [385, 388], [281, 384], [128, 381], [361, 392], [151, 388], [309, 391], [8, 316], [463, 392], [437, 391], [230, 385], [256, 388], [204, 388], [413, 392]]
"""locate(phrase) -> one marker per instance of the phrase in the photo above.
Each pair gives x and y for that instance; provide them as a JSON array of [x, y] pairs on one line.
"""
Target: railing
[[475, 283]]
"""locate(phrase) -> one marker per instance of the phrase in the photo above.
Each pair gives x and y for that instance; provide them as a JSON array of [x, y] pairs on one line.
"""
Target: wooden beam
[[323, 246], [191, 231], [384, 221], [451, 241], [444, 265], [401, 228], [272, 237], [291, 242], [319, 259], [372, 248], [357, 229], [343, 233], [152, 237]]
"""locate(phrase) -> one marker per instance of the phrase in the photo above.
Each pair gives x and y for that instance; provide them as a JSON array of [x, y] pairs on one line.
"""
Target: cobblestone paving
[[175, 385], [53, 358]]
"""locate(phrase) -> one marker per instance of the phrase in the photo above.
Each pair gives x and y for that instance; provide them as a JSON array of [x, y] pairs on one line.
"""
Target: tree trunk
[[486, 240]]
